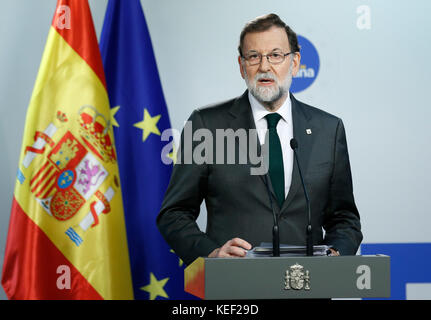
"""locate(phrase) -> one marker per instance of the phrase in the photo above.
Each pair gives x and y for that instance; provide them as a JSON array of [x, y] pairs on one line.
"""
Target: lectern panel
[[291, 277]]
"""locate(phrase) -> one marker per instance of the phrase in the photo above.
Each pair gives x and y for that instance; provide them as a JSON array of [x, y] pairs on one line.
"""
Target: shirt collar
[[260, 112]]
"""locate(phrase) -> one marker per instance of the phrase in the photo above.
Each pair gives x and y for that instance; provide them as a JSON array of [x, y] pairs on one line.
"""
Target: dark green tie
[[276, 170]]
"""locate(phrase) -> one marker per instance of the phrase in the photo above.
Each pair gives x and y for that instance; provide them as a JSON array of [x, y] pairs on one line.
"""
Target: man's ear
[[296, 63], [241, 67]]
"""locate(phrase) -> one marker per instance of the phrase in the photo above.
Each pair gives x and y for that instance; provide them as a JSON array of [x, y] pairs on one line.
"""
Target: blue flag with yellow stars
[[139, 116]]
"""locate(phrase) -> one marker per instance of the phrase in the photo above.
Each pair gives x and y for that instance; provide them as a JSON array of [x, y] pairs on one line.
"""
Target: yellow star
[[173, 154], [148, 125], [155, 288], [180, 262], [114, 110]]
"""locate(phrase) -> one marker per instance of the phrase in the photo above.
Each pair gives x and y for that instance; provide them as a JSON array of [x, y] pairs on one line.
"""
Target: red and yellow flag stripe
[[67, 207]]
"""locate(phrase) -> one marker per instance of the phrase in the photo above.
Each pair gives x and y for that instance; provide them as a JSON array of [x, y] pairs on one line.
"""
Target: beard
[[269, 95]]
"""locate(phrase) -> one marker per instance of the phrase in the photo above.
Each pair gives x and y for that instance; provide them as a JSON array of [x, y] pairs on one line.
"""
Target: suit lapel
[[301, 122], [243, 119], [241, 112]]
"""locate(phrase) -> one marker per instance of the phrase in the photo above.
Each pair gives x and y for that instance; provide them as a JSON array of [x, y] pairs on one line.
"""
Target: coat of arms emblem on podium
[[297, 278]]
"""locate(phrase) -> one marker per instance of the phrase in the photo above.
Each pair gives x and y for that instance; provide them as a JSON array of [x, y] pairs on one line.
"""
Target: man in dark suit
[[239, 203]]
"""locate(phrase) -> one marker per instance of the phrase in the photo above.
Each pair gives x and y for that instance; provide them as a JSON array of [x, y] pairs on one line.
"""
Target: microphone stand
[[309, 250], [275, 230]]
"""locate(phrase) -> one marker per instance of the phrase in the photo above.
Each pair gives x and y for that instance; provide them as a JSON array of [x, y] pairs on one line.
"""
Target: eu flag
[[139, 116]]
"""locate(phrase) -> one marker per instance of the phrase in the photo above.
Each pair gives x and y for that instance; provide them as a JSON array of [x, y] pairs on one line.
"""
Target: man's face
[[269, 83]]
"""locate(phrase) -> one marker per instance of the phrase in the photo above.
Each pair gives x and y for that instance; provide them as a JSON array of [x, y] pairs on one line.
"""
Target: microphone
[[294, 146], [275, 230]]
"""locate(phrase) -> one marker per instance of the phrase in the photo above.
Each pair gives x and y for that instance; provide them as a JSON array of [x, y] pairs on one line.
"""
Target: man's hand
[[333, 253], [233, 248]]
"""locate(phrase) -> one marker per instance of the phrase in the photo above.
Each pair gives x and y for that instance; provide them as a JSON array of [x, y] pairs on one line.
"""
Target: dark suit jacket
[[238, 203]]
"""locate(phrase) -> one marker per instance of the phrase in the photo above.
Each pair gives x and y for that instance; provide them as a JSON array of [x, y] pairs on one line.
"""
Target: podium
[[316, 277]]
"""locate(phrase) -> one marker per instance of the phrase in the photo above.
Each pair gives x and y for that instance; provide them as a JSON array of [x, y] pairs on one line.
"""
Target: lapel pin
[[308, 131]]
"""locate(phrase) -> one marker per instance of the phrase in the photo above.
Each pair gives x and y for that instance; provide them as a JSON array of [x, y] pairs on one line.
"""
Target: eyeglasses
[[276, 57]]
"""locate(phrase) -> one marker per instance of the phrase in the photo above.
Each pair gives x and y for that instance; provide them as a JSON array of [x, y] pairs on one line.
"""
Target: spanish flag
[[67, 236]]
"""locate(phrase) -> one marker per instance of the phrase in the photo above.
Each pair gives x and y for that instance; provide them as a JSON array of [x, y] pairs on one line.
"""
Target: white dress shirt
[[284, 131]]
